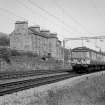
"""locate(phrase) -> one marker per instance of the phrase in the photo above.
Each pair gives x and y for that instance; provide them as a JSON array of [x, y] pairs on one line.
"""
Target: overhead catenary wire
[[28, 8], [14, 14], [71, 17], [85, 38], [77, 22], [34, 12], [10, 12], [52, 15], [31, 10]]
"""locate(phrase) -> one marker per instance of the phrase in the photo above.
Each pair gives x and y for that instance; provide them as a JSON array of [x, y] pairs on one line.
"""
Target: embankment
[[20, 63], [84, 90]]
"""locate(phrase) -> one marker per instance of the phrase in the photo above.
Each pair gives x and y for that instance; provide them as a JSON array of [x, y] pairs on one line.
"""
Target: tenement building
[[33, 39]]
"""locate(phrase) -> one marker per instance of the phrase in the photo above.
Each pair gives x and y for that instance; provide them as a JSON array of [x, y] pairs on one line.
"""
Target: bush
[[4, 41], [5, 54], [22, 53]]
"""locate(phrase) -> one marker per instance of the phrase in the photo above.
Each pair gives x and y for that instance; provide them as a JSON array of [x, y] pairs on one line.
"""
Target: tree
[[5, 54], [4, 41]]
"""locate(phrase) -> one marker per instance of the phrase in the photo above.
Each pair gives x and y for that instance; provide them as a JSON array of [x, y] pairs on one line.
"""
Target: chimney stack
[[35, 28], [45, 31], [21, 26], [53, 35]]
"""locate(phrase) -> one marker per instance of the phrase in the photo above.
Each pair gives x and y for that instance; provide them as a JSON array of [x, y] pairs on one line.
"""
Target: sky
[[68, 18]]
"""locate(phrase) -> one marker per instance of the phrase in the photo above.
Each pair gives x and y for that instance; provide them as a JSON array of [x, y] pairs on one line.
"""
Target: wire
[[27, 7], [31, 10], [10, 12], [70, 16], [50, 14]]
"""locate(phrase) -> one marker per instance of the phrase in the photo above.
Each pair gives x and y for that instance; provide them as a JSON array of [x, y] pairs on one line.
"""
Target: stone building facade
[[33, 39]]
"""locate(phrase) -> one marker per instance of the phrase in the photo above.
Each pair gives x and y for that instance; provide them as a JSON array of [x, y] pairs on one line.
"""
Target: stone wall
[[30, 63], [28, 39]]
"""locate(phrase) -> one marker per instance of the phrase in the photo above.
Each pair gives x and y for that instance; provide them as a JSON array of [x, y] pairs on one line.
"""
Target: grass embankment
[[90, 91], [13, 60], [86, 90]]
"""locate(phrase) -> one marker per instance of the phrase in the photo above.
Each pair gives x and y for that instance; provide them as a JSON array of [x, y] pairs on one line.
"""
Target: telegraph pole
[[63, 53], [82, 42]]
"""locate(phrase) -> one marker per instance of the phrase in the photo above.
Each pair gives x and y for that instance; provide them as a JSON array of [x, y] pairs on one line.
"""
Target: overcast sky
[[69, 18]]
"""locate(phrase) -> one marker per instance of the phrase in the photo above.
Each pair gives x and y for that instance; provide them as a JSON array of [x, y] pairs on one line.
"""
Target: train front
[[80, 59]]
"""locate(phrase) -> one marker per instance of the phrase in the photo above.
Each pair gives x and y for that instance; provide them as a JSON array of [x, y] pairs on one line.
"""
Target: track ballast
[[11, 87]]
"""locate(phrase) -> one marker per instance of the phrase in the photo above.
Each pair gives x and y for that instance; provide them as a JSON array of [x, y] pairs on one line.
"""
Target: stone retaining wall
[[30, 63]]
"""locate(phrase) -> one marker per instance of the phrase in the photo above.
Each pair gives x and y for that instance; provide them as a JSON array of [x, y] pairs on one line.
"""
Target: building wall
[[21, 39], [39, 44], [53, 47], [20, 42], [45, 46], [60, 51]]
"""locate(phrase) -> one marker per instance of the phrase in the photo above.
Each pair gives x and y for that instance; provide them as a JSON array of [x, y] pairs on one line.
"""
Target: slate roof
[[83, 49], [77, 49], [50, 35]]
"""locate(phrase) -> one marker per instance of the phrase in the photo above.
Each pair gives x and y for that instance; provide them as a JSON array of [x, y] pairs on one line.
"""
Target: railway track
[[21, 74], [8, 86], [14, 86]]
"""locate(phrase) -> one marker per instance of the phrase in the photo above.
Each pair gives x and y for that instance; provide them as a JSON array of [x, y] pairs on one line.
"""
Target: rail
[[10, 87]]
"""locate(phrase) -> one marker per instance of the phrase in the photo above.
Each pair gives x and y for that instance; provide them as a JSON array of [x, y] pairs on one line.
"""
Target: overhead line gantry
[[82, 39]]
